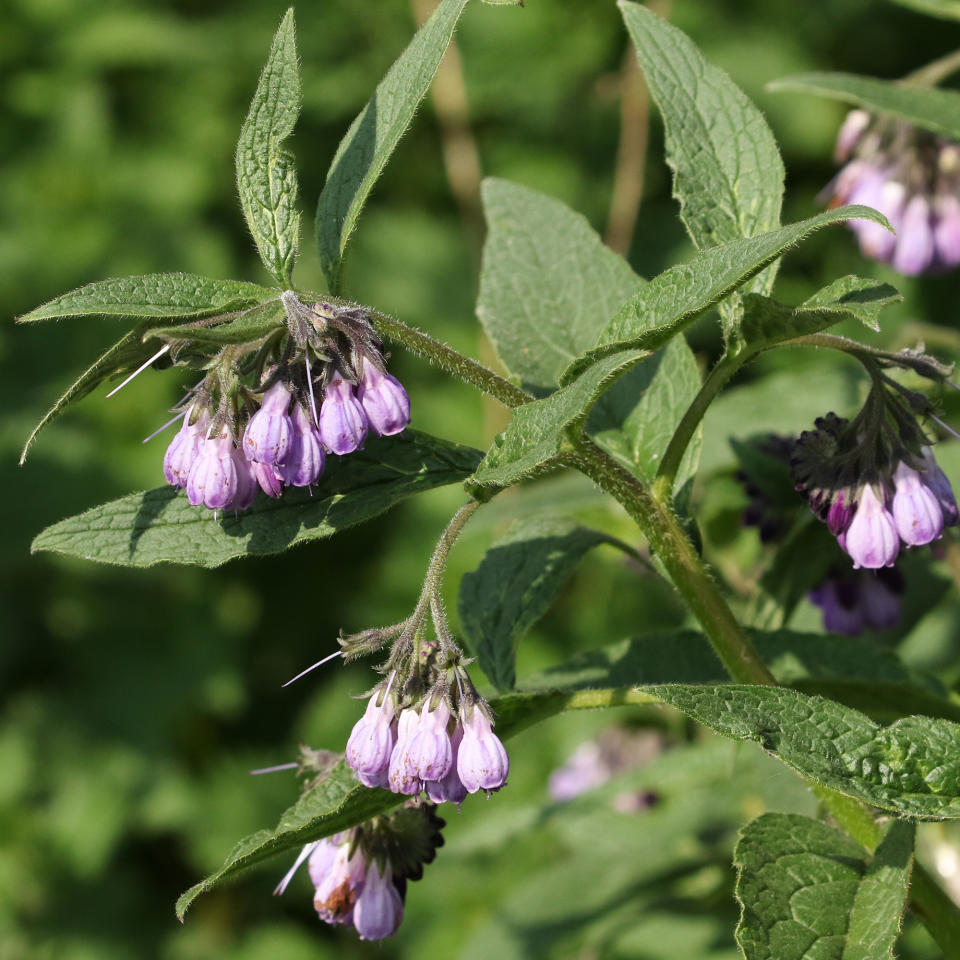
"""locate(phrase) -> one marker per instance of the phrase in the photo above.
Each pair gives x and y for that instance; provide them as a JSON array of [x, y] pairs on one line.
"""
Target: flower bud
[[871, 540], [337, 891], [840, 513], [267, 478], [430, 750], [183, 449], [379, 908], [916, 511], [343, 423], [482, 762], [384, 400], [852, 129], [403, 776], [371, 741], [305, 458], [946, 231], [838, 601], [881, 598], [915, 247], [940, 486], [268, 433], [212, 480]]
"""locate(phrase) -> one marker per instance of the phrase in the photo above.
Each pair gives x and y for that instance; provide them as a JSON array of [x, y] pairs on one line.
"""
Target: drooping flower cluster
[[854, 601], [360, 876], [910, 176], [874, 481], [237, 439]]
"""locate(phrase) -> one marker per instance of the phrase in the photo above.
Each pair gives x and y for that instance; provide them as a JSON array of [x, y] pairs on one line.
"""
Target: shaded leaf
[[249, 325], [807, 889], [945, 9], [373, 135], [266, 174], [143, 529], [931, 108]]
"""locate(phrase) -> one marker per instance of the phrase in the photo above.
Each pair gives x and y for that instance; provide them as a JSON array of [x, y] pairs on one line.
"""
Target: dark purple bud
[[430, 750], [482, 762], [337, 892], [183, 449], [450, 789], [402, 774], [267, 477], [914, 250], [268, 433], [213, 477], [343, 424], [305, 457], [840, 513], [871, 539], [371, 741], [946, 231], [384, 400], [916, 510], [379, 908], [938, 483], [881, 604], [852, 129], [840, 608]]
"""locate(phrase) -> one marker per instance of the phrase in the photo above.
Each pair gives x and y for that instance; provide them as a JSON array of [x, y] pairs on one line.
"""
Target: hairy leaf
[[535, 438], [728, 175], [159, 526], [674, 298], [945, 9], [266, 174], [517, 581], [807, 889], [928, 107], [153, 295], [374, 134], [247, 326]]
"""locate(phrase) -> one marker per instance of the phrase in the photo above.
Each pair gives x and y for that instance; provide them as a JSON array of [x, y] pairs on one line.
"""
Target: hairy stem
[[450, 361], [937, 911], [935, 72]]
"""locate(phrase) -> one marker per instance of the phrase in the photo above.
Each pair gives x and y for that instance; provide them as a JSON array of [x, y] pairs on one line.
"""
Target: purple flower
[[212, 480], [946, 231], [936, 480], [338, 889], [916, 510], [343, 423], [854, 601], [854, 126], [384, 400], [482, 762], [838, 601], [585, 769], [880, 598], [305, 458], [371, 741], [840, 513], [267, 477], [322, 858], [402, 774], [184, 448], [430, 752], [268, 433], [379, 908], [450, 789], [246, 481], [887, 196], [915, 246], [871, 539]]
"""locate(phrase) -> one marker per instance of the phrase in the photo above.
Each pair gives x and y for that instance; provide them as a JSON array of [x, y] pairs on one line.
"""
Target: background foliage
[[135, 702]]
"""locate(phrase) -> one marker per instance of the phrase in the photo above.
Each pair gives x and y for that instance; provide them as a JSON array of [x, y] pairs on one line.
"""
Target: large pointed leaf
[[373, 135], [159, 526], [266, 174]]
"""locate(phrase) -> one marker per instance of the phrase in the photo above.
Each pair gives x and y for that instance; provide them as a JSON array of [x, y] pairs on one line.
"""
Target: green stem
[[659, 524], [450, 361], [726, 367], [935, 72], [937, 911]]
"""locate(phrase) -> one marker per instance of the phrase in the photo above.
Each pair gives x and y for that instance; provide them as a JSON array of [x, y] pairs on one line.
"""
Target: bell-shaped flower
[[246, 482], [430, 750], [940, 486], [915, 250], [336, 893], [482, 761], [384, 400], [184, 448], [268, 433], [851, 131], [946, 231], [450, 789], [212, 480], [916, 510], [371, 740], [887, 196], [871, 539], [305, 458], [343, 423], [379, 908], [402, 774], [322, 858], [267, 478], [839, 602]]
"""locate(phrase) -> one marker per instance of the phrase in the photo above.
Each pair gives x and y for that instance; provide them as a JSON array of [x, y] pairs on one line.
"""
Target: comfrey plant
[[294, 393]]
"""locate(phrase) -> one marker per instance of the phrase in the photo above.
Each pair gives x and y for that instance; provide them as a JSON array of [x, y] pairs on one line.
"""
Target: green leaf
[[808, 890], [945, 9], [153, 295], [373, 135], [728, 175], [535, 438], [518, 579], [266, 173], [252, 324], [548, 285], [676, 297], [931, 108], [159, 526]]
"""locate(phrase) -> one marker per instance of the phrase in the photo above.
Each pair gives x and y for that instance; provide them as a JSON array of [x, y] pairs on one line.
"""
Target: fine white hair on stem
[[313, 401], [288, 876], [946, 426], [275, 769], [140, 369], [313, 666], [169, 423]]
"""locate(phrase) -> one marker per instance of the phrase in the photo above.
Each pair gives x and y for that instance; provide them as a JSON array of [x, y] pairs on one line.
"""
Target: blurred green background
[[134, 703]]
